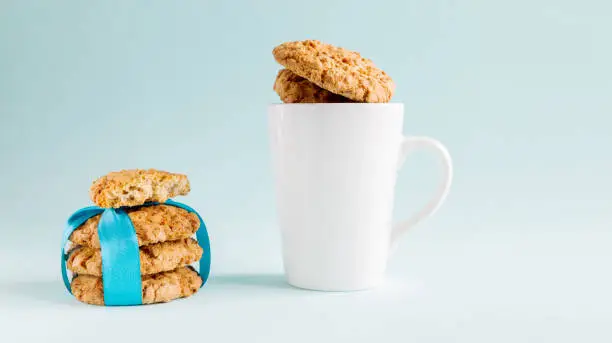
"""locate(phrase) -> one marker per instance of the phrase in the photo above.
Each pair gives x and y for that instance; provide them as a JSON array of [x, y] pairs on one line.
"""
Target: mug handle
[[409, 145]]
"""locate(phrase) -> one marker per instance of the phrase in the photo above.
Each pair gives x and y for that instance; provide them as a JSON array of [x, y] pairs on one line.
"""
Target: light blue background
[[519, 91]]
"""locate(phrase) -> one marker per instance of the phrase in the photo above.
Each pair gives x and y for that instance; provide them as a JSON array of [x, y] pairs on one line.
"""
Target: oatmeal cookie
[[295, 89], [336, 69], [154, 258], [153, 224], [156, 288], [137, 186]]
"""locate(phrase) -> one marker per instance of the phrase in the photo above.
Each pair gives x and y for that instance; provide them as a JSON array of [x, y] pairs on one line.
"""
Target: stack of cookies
[[317, 72], [164, 234]]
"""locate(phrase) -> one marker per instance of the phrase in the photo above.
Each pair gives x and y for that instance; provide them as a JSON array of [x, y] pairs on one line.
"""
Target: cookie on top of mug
[[320, 72]]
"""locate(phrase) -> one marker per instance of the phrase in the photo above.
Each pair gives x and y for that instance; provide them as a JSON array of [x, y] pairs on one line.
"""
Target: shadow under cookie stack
[[163, 230]]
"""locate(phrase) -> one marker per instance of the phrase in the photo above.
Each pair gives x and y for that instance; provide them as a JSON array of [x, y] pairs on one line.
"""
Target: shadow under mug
[[335, 168]]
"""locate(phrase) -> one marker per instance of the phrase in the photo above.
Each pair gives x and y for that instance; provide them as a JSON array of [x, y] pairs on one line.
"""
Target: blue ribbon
[[121, 254]]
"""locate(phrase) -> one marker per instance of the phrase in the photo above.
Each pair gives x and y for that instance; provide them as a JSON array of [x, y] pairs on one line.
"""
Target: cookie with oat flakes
[[152, 224], [137, 186], [154, 258], [336, 69], [156, 288], [295, 89]]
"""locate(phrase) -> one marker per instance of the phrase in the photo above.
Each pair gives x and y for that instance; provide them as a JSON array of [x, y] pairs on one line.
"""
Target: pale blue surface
[[519, 91]]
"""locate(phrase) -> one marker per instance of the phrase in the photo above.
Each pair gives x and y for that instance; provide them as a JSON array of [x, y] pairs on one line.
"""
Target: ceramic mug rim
[[339, 104]]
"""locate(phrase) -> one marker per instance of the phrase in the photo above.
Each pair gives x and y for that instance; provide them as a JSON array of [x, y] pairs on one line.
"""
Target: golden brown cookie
[[156, 288], [293, 88], [153, 224], [136, 187], [337, 70], [154, 258]]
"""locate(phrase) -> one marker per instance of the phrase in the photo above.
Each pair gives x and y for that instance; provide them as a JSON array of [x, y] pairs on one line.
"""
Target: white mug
[[335, 169]]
